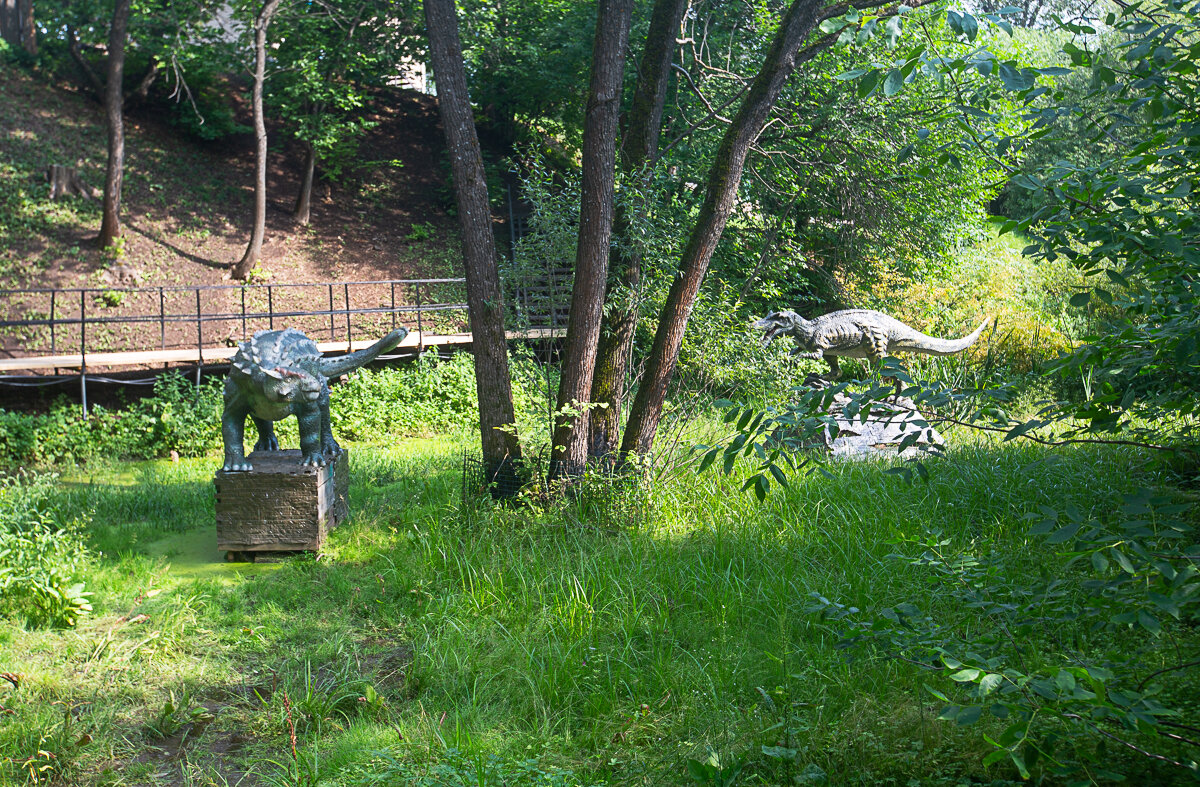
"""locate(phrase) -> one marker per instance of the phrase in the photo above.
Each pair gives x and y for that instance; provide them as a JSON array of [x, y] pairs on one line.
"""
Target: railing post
[[331, 329], [271, 307], [83, 350], [199, 340], [420, 324], [162, 319], [243, 289], [52, 294], [346, 295], [393, 306]]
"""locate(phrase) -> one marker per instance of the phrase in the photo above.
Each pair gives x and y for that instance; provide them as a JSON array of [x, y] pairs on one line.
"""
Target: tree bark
[[569, 452], [723, 181], [28, 29], [114, 99], [246, 264], [301, 212], [639, 148], [85, 68], [485, 301]]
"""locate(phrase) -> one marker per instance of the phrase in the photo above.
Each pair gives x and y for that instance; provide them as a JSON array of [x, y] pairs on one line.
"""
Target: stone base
[[280, 505], [880, 434]]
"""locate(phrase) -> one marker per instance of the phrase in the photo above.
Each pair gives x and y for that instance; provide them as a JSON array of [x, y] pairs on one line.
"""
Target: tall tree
[[114, 100], [639, 148], [485, 301], [781, 60], [569, 440], [254, 250], [16, 24]]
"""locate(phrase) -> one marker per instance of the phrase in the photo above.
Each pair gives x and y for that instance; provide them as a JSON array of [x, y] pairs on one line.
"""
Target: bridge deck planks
[[221, 354]]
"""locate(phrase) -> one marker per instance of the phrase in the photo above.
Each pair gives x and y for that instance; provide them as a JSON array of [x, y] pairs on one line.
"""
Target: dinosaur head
[[778, 324], [282, 384]]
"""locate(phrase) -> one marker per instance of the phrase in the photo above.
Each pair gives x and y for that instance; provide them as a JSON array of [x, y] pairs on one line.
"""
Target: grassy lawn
[[443, 642]]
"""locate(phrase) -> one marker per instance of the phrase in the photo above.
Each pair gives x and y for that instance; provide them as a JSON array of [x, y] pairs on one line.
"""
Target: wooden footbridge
[[82, 330]]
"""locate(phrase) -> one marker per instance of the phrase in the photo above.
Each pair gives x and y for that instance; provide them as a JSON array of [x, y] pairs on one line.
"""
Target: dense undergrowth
[[443, 641], [424, 398]]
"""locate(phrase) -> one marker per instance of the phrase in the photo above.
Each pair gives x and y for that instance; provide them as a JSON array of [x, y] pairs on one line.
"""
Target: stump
[[65, 181], [280, 505]]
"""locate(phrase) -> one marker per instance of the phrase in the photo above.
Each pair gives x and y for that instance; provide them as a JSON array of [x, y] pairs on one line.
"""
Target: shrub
[[427, 397], [43, 552]]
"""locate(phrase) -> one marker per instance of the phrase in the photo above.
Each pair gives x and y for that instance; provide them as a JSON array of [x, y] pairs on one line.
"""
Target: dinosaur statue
[[280, 373], [855, 333]]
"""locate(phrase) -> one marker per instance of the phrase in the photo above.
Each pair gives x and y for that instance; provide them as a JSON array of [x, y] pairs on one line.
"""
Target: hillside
[[187, 204]]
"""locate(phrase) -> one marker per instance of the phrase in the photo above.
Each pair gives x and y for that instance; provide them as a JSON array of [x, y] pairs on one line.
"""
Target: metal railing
[[68, 309]]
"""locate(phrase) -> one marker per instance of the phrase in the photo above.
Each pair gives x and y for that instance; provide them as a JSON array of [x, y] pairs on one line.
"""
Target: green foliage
[[43, 553], [177, 417], [429, 396], [1062, 663]]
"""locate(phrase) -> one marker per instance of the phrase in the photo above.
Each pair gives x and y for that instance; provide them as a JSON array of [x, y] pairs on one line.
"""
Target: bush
[[42, 554], [177, 417], [427, 397]]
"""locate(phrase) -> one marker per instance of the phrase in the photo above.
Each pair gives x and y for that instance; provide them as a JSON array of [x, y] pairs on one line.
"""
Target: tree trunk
[[246, 264], [16, 24], [85, 68], [723, 180], [110, 225], [569, 452], [304, 199], [28, 29], [639, 147], [485, 302]]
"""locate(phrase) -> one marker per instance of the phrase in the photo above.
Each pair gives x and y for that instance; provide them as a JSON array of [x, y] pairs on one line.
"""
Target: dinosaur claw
[[314, 460], [237, 467]]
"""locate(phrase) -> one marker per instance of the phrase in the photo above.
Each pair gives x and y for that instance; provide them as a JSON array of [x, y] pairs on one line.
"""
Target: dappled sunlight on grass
[[442, 634]]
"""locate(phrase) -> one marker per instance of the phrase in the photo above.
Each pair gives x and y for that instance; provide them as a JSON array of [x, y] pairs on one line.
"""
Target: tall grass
[[448, 642]]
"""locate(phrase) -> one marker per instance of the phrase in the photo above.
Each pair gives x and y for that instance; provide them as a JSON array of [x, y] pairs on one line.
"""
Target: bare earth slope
[[187, 205]]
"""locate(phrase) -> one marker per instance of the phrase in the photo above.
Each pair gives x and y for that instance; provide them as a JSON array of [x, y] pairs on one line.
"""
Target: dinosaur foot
[[237, 467]]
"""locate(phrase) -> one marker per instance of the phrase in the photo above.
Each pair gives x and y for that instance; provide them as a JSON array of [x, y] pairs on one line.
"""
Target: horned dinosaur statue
[[280, 373], [856, 333]]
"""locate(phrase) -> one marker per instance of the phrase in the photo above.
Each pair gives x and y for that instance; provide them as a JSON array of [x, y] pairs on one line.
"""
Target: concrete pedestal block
[[280, 505]]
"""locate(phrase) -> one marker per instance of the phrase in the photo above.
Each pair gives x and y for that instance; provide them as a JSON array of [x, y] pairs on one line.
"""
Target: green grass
[[438, 642]]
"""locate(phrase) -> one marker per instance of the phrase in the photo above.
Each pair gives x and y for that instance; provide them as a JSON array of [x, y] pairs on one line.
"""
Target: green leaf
[[968, 715], [966, 675], [708, 459], [1064, 533], [866, 85], [893, 83]]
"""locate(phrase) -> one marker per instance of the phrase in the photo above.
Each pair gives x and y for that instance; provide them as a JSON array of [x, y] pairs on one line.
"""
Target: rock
[[881, 432]]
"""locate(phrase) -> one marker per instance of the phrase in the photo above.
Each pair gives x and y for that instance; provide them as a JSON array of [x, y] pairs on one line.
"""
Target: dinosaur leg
[[879, 348], [329, 446], [266, 435], [233, 430], [835, 370], [310, 436]]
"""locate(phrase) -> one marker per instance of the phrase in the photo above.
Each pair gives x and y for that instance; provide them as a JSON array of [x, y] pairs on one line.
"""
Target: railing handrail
[[194, 287]]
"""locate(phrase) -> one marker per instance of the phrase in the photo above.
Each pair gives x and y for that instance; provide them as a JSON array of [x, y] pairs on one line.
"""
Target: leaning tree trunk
[[485, 301], [569, 452], [110, 225], [303, 207], [241, 270], [723, 180], [639, 148]]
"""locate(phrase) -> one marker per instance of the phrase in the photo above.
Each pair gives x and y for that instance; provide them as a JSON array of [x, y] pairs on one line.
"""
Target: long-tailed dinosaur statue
[[856, 333]]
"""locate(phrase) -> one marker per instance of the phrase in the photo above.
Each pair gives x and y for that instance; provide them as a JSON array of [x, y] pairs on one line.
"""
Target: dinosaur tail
[[332, 367], [931, 345]]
